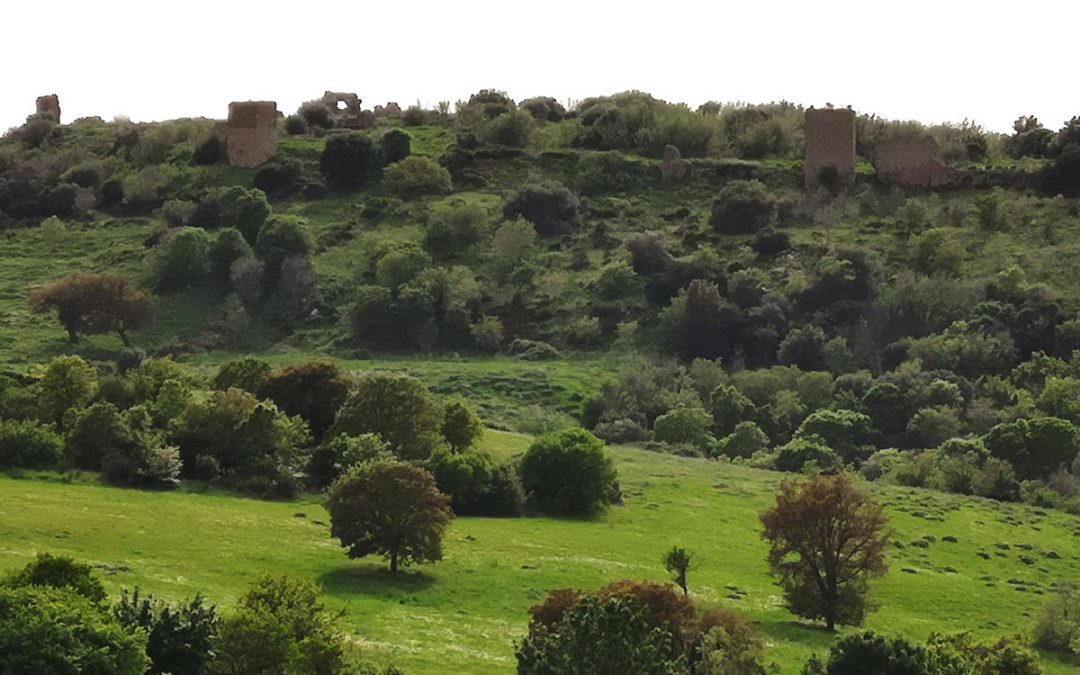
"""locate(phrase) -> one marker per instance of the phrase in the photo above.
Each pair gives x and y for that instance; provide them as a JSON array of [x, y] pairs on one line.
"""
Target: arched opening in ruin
[[341, 105]]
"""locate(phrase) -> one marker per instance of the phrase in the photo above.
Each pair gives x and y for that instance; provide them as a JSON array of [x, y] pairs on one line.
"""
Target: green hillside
[[463, 614]]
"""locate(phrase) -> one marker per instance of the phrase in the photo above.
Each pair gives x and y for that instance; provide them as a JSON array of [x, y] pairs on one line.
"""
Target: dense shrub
[[295, 125], [228, 246], [551, 208], [48, 630], [396, 145], [476, 485], [416, 175], [804, 454], [685, 425], [461, 427], [398, 408], [745, 441], [314, 391], [532, 350], [317, 114], [1057, 627], [742, 207], [349, 161], [511, 129], [183, 261], [59, 572], [544, 108], [279, 626], [180, 637], [452, 233], [278, 178], [612, 636], [568, 473]]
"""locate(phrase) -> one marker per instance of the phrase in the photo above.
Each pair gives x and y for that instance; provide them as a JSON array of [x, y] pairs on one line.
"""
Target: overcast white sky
[[940, 60]]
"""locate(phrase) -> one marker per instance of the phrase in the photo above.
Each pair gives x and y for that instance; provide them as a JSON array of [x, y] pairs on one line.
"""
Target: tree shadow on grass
[[374, 581], [802, 632]]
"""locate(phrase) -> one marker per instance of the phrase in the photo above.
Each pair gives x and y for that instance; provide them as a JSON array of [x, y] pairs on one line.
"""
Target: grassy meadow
[[958, 563]]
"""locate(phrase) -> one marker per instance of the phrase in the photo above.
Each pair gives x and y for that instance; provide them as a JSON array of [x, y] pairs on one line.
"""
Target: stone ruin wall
[[49, 105], [911, 160], [250, 134], [830, 141]]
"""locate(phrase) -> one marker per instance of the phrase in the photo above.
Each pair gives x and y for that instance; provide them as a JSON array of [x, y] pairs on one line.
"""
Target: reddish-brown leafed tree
[[827, 539], [91, 304]]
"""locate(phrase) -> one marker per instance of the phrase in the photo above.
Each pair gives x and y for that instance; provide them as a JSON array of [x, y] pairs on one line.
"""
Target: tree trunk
[[124, 337], [393, 561], [73, 337]]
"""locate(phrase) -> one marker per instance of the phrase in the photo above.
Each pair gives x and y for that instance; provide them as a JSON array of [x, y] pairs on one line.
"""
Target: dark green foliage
[[233, 206], [95, 432], [245, 374], [742, 207], [544, 108], [228, 247], [568, 473], [846, 432], [800, 454], [348, 161], [595, 637], [685, 425], [551, 208], [61, 573], [869, 652], [452, 233], [279, 627], [389, 508], [769, 242], [511, 129], [1034, 448], [231, 437], [745, 441], [728, 408], [461, 427], [208, 151], [804, 347], [180, 638], [50, 631], [476, 486], [278, 178], [183, 261], [314, 391], [317, 114], [295, 125], [281, 238], [396, 145], [29, 445], [398, 408]]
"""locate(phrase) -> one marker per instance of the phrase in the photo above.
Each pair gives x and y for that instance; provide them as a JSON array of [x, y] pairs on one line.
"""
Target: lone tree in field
[[677, 562], [90, 304], [826, 540], [390, 508]]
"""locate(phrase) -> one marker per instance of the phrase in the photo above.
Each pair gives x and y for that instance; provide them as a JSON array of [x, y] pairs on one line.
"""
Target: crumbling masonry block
[[830, 142], [251, 132]]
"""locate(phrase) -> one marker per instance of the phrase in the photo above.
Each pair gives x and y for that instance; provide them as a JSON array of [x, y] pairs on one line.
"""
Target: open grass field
[[463, 614]]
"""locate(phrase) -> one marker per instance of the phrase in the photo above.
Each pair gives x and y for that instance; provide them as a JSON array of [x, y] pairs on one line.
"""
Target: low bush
[[417, 175], [742, 207]]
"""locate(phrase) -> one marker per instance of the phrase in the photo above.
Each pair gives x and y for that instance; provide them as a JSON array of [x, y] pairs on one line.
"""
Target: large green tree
[[389, 508], [398, 408]]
